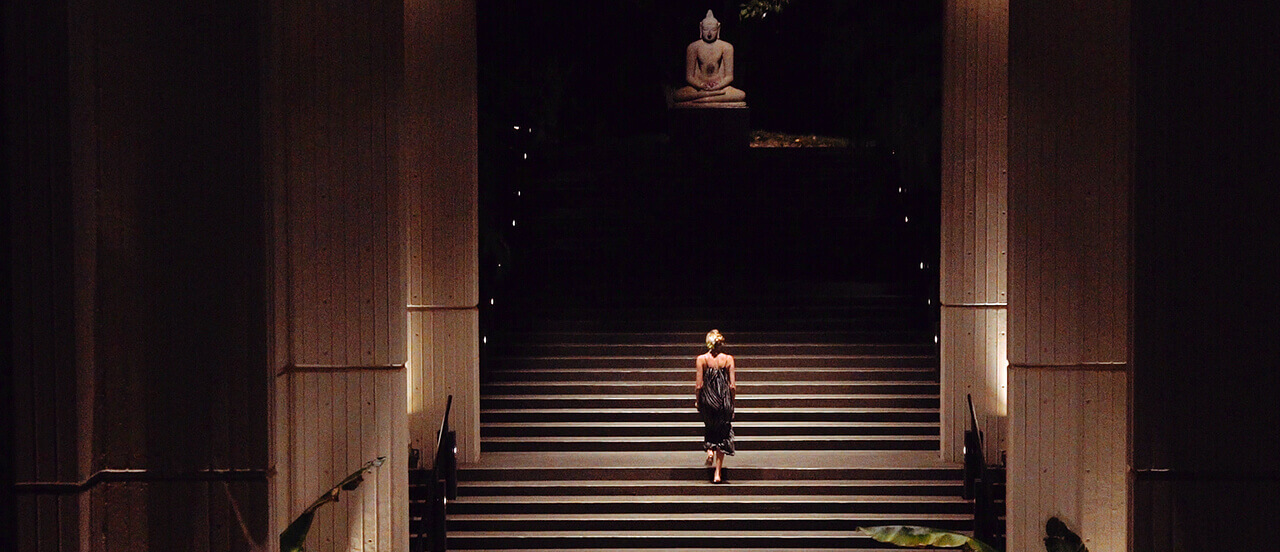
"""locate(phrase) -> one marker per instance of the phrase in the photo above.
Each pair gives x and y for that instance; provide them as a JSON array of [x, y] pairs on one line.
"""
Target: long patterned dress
[[715, 404]]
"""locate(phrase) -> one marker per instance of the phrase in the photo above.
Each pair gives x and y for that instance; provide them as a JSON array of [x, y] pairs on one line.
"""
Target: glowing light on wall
[[1001, 369]]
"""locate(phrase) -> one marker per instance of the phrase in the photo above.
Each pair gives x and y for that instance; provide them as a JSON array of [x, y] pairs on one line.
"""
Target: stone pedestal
[[711, 129]]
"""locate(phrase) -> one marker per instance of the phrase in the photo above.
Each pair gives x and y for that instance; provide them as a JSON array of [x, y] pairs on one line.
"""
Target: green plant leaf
[[753, 9], [295, 535], [1061, 539], [292, 538], [915, 536]]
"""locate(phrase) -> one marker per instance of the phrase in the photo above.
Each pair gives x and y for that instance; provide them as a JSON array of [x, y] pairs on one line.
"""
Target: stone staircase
[[590, 439]]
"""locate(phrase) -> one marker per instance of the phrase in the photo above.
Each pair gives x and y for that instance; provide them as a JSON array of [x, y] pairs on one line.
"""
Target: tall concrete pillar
[[138, 383], [973, 270], [1070, 173], [438, 144], [334, 75]]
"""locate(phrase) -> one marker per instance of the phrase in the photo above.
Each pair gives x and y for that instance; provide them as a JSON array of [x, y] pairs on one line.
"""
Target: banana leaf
[[1061, 539], [915, 536], [293, 537]]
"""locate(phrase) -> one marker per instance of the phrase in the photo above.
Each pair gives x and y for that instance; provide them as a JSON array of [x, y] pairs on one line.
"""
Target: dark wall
[[586, 70], [140, 216], [1207, 248]]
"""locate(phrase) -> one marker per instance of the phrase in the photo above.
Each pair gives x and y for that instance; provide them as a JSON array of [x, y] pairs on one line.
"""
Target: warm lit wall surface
[[974, 229], [438, 152], [1070, 146], [334, 71]]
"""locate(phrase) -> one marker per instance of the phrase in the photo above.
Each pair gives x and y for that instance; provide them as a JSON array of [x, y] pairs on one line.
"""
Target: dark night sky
[[865, 69]]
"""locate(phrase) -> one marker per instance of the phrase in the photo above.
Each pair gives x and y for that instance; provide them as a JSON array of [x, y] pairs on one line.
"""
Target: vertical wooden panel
[[344, 420], [448, 366], [973, 221], [342, 452], [1068, 269], [420, 384], [440, 186], [369, 445], [973, 339], [1066, 458], [456, 359], [339, 83], [399, 465], [342, 192], [1015, 468], [352, 416], [387, 405]]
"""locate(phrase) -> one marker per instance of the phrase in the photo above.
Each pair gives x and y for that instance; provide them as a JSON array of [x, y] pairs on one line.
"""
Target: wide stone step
[[686, 374], [883, 400], [665, 540], [744, 442], [693, 348], [670, 549], [745, 361], [701, 488], [782, 523], [648, 338], [710, 504], [745, 387], [686, 413], [699, 473], [693, 429], [638, 444]]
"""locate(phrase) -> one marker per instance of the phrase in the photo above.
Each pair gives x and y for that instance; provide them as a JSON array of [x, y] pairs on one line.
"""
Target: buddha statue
[[709, 71]]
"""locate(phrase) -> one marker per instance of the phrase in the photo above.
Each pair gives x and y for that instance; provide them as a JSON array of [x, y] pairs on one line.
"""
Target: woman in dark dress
[[715, 385]]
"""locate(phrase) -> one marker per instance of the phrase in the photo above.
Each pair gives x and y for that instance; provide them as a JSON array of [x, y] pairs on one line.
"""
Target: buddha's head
[[709, 28], [714, 339]]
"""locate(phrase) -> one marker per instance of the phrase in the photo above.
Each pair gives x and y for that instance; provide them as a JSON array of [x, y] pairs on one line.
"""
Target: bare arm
[[697, 380], [697, 377], [733, 375]]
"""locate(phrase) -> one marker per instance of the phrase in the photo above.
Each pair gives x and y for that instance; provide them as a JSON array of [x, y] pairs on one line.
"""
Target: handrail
[[441, 436], [973, 419], [442, 486], [978, 485]]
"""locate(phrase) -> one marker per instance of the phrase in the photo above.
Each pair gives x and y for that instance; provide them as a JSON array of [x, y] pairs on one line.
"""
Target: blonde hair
[[714, 337]]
